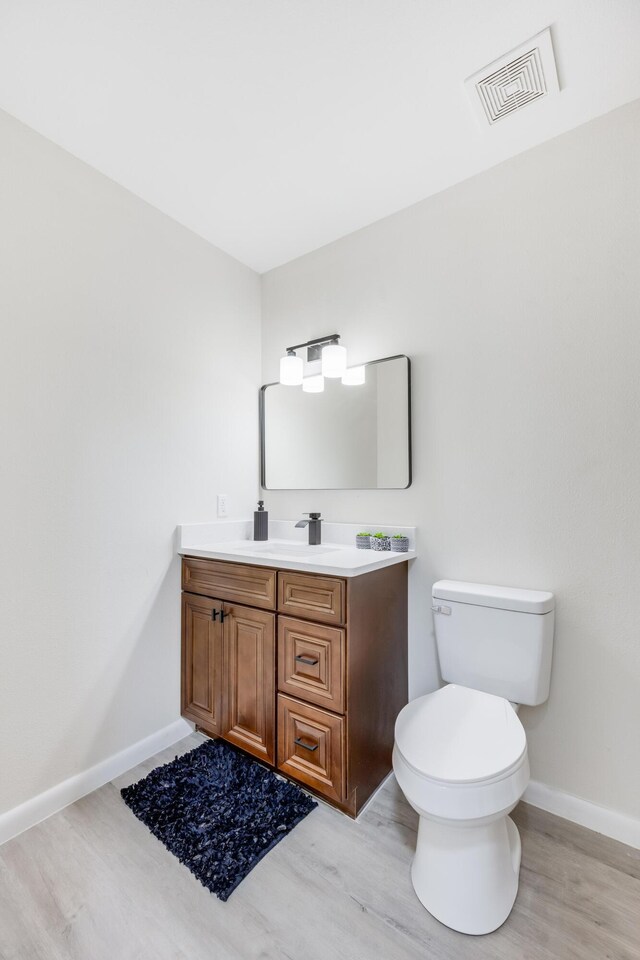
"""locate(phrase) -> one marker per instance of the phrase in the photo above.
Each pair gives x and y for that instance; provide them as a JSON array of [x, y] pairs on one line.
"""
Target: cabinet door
[[250, 719], [202, 662]]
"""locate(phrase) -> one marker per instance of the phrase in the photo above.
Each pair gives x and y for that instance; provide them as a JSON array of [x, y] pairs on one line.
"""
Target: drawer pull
[[308, 660], [301, 743], [214, 614]]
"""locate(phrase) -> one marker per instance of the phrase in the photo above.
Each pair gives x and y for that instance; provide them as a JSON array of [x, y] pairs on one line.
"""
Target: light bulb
[[354, 376], [334, 360], [313, 384], [291, 368]]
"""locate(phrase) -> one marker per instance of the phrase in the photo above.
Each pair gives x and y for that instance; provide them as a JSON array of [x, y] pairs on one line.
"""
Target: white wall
[[517, 296], [129, 373]]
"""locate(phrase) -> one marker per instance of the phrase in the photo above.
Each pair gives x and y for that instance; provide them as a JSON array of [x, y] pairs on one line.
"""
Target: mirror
[[345, 438]]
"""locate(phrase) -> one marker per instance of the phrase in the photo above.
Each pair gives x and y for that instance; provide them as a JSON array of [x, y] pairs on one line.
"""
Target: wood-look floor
[[91, 883]]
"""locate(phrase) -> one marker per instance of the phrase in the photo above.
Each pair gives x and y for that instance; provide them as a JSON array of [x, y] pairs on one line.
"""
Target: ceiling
[[272, 127]]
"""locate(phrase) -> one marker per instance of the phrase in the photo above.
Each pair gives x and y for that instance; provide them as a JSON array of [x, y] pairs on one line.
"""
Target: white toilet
[[460, 754]]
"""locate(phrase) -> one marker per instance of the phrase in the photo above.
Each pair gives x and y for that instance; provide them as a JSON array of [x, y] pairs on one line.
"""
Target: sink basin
[[287, 549]]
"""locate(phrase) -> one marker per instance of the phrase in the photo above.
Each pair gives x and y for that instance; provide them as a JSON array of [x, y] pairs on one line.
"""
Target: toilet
[[460, 753]]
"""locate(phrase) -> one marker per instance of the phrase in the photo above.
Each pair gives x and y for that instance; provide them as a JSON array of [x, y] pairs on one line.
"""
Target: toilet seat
[[457, 736], [472, 738]]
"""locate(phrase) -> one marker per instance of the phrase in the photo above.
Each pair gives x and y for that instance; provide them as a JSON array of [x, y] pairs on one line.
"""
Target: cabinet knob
[[214, 614]]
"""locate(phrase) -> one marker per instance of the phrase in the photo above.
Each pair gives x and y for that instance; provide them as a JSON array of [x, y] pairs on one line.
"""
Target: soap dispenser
[[260, 522]]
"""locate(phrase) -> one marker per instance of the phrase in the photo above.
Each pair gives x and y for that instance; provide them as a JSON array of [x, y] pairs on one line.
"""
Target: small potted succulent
[[363, 541], [380, 541], [399, 543]]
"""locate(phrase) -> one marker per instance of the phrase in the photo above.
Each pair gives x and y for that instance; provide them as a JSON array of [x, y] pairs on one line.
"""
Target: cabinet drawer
[[312, 597], [311, 747], [311, 662], [255, 586]]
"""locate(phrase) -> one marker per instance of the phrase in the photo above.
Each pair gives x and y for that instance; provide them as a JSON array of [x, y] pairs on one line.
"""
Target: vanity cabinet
[[304, 671]]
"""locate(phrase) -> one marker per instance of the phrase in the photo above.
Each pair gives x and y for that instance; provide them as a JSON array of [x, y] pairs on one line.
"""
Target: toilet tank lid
[[502, 598]]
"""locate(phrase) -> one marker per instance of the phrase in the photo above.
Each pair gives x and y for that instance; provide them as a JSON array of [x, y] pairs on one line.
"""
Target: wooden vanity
[[304, 671]]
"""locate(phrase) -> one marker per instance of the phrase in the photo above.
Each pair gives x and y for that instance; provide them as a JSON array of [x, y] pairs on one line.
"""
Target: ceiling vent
[[507, 85]]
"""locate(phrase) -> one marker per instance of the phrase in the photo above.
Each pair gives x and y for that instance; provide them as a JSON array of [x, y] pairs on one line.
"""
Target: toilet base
[[467, 876]]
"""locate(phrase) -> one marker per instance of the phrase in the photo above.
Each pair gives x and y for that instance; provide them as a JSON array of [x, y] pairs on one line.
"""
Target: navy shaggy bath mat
[[218, 812]]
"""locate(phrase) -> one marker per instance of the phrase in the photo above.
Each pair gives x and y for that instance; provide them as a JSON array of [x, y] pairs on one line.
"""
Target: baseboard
[[618, 826], [43, 805]]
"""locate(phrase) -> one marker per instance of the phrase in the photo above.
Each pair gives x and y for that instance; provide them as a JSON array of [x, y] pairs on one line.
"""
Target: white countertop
[[215, 541]]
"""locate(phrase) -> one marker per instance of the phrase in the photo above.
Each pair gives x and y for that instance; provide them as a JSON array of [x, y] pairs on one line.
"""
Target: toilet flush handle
[[441, 608]]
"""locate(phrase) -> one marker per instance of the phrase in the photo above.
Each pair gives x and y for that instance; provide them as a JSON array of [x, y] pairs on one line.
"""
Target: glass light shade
[[354, 376], [313, 384], [291, 368], [334, 360]]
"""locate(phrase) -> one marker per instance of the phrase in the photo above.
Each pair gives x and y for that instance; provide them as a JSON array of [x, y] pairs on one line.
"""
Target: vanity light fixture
[[326, 349], [313, 384], [291, 368], [354, 376]]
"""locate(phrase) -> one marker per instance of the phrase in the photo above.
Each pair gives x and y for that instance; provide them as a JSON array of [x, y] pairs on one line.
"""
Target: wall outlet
[[223, 505]]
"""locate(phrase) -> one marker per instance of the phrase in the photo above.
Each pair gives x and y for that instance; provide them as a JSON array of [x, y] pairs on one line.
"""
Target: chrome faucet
[[314, 521]]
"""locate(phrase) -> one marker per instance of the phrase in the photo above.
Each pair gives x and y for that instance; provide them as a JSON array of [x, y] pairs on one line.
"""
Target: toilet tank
[[495, 639]]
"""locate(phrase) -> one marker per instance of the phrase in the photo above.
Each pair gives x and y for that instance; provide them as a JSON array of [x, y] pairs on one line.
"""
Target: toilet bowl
[[460, 753], [460, 758]]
